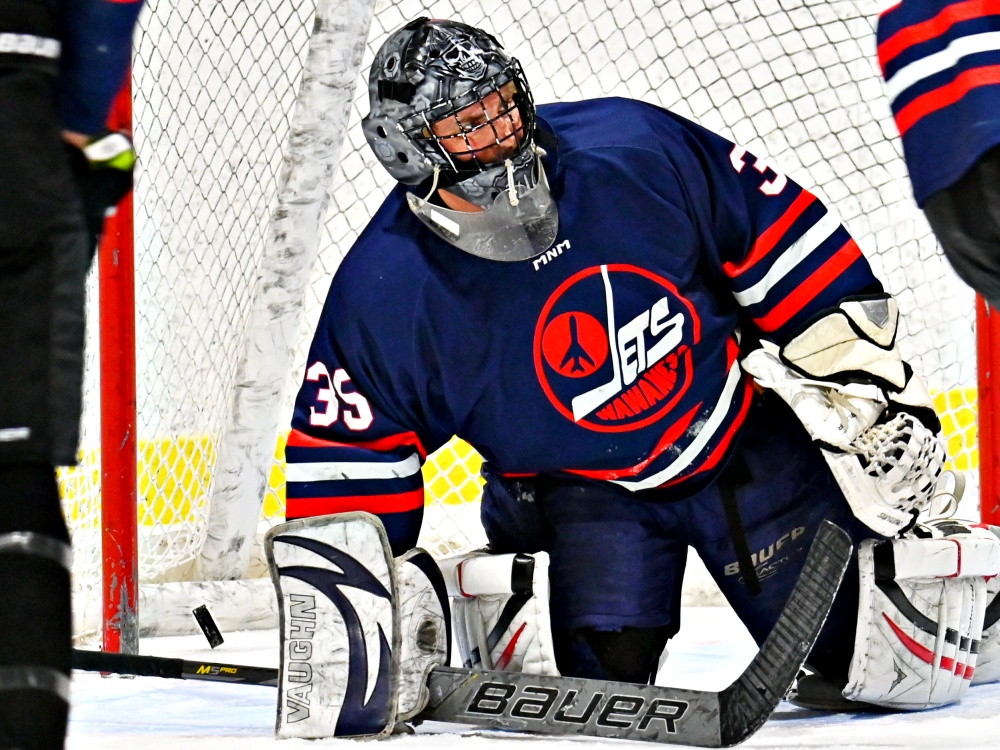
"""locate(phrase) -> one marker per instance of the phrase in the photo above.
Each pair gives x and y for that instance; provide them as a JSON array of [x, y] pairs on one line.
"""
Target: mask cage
[[417, 127]]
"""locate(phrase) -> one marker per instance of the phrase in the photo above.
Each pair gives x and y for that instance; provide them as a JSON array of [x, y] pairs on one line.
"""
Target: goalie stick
[[140, 665], [567, 705]]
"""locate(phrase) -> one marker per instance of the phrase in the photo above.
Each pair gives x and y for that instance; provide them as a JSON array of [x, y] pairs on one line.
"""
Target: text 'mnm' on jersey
[[614, 356], [941, 63]]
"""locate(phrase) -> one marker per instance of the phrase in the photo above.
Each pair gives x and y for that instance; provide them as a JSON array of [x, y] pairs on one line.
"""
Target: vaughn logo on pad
[[335, 589]]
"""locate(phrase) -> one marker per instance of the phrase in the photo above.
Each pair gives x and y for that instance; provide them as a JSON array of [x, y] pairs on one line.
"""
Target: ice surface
[[149, 713]]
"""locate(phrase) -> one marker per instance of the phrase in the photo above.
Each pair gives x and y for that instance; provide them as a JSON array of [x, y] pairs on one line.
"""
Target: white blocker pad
[[920, 622], [339, 627], [500, 611]]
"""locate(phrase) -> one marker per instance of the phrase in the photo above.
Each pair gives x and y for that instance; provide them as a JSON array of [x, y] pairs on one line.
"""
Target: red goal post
[[254, 179]]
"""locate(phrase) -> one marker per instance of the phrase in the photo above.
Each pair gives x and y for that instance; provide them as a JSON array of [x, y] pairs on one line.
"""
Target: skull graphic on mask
[[460, 58]]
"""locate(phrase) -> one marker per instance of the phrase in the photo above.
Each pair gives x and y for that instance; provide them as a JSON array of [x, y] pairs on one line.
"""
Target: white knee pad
[[921, 611], [500, 611], [425, 635]]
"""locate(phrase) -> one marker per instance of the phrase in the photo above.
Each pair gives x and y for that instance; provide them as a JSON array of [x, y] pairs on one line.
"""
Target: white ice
[[711, 650]]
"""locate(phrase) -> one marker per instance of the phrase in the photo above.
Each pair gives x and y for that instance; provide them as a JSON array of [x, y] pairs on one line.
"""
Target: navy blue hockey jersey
[[612, 356], [941, 62]]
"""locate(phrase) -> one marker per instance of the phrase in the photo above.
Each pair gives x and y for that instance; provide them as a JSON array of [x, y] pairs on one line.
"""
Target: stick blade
[[751, 699]]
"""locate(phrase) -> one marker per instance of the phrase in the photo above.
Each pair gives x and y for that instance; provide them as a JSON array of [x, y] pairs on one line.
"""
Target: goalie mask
[[448, 103]]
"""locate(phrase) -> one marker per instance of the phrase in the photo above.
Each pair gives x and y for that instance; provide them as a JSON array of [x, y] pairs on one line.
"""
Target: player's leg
[[35, 622], [965, 218], [43, 257], [616, 564], [783, 493]]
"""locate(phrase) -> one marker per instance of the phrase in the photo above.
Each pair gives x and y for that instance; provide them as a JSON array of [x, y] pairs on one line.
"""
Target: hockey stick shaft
[[139, 665], [562, 705]]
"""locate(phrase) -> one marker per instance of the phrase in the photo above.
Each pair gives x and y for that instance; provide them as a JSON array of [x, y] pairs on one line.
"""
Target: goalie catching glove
[[846, 382]]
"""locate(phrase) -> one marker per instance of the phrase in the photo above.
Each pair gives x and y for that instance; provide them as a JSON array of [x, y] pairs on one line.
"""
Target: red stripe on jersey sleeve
[[941, 97], [934, 27], [810, 288], [769, 238], [305, 507], [298, 439]]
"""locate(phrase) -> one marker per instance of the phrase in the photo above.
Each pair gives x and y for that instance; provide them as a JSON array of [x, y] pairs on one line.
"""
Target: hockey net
[[216, 89]]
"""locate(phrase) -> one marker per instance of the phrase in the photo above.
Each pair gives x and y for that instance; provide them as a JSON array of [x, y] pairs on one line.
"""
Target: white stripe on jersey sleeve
[[330, 470], [787, 260], [946, 58]]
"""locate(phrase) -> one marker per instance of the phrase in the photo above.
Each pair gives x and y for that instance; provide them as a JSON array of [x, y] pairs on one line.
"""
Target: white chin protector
[[520, 225]]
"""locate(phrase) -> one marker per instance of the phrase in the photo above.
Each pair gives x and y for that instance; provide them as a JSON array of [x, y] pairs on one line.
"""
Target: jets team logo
[[613, 347]]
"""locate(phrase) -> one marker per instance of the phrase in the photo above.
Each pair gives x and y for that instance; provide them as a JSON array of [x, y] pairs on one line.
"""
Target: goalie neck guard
[[424, 81]]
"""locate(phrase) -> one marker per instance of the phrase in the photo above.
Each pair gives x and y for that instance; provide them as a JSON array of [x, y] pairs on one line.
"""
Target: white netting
[[214, 85]]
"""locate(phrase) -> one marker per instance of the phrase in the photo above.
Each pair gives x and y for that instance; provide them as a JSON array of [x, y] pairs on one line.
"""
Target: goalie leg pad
[[334, 577], [500, 606], [425, 629], [988, 665], [921, 611]]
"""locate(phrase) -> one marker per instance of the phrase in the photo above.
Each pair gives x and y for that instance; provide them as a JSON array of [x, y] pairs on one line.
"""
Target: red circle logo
[[613, 347]]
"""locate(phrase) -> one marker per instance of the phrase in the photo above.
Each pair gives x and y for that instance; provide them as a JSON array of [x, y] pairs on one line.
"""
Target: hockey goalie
[[656, 341]]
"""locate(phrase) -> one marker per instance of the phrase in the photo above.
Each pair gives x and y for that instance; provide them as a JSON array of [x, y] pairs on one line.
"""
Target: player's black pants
[[965, 218], [44, 254], [617, 559]]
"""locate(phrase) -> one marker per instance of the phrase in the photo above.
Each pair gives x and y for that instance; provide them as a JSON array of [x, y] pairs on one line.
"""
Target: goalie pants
[[617, 558], [965, 218]]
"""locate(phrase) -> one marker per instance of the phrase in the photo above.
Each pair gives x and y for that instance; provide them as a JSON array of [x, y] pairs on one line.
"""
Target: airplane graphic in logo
[[575, 354]]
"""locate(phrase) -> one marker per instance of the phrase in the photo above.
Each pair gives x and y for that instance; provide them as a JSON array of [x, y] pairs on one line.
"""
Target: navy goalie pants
[[617, 559]]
